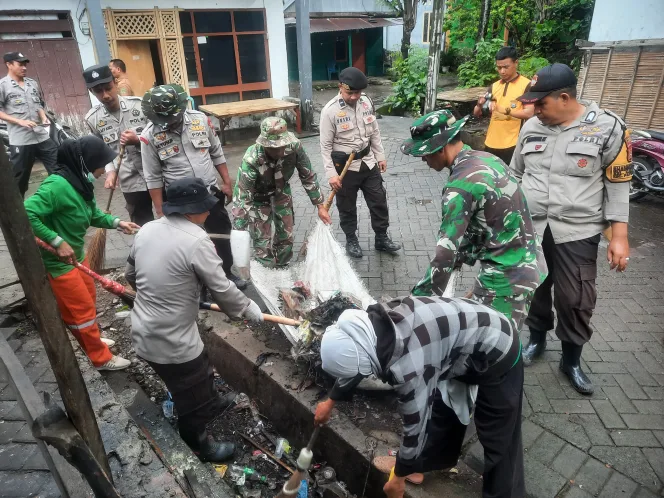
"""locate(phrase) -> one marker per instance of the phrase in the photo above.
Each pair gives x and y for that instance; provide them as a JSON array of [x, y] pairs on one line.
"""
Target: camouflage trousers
[[269, 250], [513, 307]]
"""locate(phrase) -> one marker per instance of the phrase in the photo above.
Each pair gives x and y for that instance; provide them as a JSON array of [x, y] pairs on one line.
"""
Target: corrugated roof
[[346, 23]]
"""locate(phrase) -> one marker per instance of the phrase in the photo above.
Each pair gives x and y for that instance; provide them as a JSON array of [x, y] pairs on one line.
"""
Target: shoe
[[109, 342], [210, 450], [227, 399], [115, 363], [239, 283], [353, 248], [570, 365], [384, 243], [535, 347]]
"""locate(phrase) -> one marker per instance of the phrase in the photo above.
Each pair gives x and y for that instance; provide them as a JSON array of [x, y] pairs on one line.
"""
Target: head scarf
[[78, 158], [348, 347]]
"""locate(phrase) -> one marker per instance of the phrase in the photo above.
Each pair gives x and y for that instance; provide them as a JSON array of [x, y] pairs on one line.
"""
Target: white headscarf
[[348, 347]]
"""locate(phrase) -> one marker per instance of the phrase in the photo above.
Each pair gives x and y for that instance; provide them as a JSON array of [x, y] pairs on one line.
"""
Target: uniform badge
[[590, 130], [95, 74], [101, 123], [341, 114], [197, 128], [160, 136], [345, 126], [135, 112], [139, 130], [582, 163], [195, 122], [176, 149], [365, 105], [538, 147]]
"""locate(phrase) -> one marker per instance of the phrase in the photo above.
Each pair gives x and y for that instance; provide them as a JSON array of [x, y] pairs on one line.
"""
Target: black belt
[[341, 158]]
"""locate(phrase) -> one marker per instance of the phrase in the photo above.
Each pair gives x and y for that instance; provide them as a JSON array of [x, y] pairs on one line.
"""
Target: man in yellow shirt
[[507, 113]]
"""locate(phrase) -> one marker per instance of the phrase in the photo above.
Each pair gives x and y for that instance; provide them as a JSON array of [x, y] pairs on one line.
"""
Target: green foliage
[[461, 20], [411, 82], [530, 65], [481, 70]]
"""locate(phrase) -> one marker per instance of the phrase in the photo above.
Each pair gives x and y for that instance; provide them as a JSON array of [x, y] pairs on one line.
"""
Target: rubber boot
[[384, 243], [353, 247], [570, 365], [210, 450], [535, 347]]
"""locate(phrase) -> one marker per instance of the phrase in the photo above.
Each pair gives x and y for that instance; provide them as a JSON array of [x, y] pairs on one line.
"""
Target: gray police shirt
[[22, 102]]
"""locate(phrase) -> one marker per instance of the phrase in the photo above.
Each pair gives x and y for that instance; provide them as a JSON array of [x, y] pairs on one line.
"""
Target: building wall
[[335, 6], [617, 20], [394, 34]]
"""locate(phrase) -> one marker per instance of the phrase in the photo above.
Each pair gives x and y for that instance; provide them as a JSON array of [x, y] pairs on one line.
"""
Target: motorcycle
[[57, 132], [648, 161]]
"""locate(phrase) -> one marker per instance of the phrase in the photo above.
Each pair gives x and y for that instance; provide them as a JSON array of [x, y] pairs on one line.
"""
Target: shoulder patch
[[621, 169]]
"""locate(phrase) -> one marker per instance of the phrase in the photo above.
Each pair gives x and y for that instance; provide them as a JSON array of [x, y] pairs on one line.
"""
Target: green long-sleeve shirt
[[58, 212]]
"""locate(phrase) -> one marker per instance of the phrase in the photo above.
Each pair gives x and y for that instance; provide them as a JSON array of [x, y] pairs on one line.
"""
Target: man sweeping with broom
[[60, 212]]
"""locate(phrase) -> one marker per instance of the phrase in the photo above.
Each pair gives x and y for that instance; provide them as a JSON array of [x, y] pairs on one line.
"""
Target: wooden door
[[137, 57], [359, 51]]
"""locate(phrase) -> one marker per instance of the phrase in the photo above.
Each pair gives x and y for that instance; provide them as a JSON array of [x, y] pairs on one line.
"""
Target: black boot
[[535, 347], [384, 243], [210, 450], [570, 365], [353, 247]]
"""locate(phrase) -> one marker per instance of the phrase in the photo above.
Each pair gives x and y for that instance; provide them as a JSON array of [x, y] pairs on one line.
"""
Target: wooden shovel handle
[[267, 317], [328, 203], [117, 179]]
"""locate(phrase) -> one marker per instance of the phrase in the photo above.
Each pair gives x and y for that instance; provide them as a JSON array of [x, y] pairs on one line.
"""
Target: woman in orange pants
[[60, 212]]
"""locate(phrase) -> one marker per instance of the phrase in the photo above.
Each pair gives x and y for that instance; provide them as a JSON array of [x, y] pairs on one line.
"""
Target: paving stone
[[537, 399], [36, 460], [619, 486], [640, 439], [608, 414], [629, 461], [24, 435], [568, 461], [591, 423], [571, 406], [529, 433], [6, 407], [655, 392], [660, 436], [606, 367], [561, 426], [546, 447], [627, 346], [22, 484], [655, 457], [643, 421], [550, 385], [619, 400], [645, 493], [576, 492], [8, 430], [650, 407], [14, 455], [541, 481], [650, 363], [630, 386], [592, 476]]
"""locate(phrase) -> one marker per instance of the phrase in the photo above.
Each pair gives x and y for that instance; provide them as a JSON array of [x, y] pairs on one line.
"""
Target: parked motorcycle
[[648, 161], [57, 132]]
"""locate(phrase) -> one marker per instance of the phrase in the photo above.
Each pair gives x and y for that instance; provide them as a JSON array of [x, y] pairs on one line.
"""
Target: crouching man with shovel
[[263, 194], [442, 355], [170, 261]]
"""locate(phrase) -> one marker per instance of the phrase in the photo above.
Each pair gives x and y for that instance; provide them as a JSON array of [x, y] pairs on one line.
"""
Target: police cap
[[352, 78], [15, 56], [97, 75], [548, 79]]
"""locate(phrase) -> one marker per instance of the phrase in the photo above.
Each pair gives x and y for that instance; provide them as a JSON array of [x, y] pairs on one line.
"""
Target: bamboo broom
[[97, 247]]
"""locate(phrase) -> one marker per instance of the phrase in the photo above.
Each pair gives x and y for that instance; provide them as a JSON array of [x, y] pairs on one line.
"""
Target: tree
[[484, 20], [406, 10]]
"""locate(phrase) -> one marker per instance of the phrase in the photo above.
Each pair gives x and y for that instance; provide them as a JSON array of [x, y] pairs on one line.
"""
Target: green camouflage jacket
[[260, 178], [485, 218]]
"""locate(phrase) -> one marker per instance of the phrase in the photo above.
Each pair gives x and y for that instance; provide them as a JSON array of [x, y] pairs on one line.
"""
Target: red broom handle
[[110, 285]]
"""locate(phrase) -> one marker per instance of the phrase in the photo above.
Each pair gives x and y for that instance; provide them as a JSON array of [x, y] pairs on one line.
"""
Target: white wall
[[616, 20], [392, 36]]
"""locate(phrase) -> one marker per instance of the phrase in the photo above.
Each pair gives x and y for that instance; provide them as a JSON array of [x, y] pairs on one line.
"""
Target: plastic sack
[[241, 250]]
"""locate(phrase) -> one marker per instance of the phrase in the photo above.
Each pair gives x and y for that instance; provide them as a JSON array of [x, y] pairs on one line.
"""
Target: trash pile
[[316, 291]]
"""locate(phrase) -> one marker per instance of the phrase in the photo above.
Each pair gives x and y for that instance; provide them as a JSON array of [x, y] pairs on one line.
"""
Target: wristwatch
[[508, 111]]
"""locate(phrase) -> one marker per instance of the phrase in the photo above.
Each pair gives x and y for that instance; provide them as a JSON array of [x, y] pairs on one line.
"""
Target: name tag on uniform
[[342, 119], [110, 137], [169, 152]]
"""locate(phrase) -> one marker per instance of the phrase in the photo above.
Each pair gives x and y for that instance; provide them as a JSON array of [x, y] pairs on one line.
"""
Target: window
[[226, 54], [426, 28], [341, 49]]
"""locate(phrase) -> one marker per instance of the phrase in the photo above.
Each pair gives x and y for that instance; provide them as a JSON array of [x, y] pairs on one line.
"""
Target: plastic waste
[[122, 314], [167, 406], [304, 489], [282, 447]]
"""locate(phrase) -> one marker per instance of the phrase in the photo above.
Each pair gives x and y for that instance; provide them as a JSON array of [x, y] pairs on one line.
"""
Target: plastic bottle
[[282, 447]]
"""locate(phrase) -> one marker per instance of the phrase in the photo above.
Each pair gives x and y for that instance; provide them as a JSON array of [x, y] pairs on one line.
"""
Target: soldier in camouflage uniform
[[262, 192], [485, 218]]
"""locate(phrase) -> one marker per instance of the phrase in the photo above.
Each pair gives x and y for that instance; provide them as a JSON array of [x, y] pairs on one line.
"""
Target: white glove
[[253, 312]]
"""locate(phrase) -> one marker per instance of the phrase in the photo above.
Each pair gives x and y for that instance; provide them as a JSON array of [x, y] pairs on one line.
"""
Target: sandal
[[385, 464]]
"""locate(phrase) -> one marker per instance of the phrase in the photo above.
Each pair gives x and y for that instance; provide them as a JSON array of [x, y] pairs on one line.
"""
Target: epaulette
[[92, 111], [623, 125]]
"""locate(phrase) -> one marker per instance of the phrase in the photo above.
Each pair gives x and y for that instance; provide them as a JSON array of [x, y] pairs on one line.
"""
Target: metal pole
[[30, 270], [98, 32], [303, 33], [434, 55]]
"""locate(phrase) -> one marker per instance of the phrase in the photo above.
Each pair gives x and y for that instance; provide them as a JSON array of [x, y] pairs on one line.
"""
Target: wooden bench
[[462, 95], [224, 112]]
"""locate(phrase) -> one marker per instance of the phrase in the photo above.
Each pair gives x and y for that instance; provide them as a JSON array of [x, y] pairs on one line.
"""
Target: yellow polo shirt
[[504, 130]]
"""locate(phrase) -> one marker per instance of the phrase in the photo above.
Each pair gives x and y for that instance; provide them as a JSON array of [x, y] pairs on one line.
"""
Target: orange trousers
[[76, 295]]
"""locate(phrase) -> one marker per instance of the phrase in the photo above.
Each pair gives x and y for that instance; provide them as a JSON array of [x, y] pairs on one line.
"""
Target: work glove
[[253, 312]]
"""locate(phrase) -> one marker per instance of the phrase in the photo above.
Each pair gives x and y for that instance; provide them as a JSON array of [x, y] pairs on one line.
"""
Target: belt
[[341, 158]]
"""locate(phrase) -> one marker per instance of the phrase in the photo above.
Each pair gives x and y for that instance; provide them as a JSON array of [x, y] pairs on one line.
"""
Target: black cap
[[15, 56], [353, 79], [97, 75], [188, 196], [548, 79]]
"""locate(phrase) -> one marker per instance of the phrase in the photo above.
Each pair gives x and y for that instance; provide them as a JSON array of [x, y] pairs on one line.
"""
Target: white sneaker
[[109, 342], [115, 363]]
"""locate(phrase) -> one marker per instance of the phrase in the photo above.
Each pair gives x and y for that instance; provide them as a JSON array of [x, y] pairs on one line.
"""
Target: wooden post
[[631, 83], [30, 269], [434, 55], [303, 34]]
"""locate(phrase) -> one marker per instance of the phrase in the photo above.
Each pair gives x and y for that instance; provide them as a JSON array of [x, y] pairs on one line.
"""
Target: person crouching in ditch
[[170, 261], [442, 355]]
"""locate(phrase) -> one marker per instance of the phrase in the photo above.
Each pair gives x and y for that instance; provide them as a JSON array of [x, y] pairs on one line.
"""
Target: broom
[[97, 247], [127, 295]]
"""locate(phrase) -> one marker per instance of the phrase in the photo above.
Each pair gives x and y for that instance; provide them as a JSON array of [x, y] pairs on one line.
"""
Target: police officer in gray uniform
[[574, 162], [22, 107], [179, 143], [119, 121], [348, 123]]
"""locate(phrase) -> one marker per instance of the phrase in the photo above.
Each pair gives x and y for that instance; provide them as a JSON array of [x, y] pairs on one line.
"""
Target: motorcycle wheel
[[637, 190]]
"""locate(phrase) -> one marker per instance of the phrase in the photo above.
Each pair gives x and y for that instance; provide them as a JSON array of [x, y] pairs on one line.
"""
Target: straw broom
[[97, 247]]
